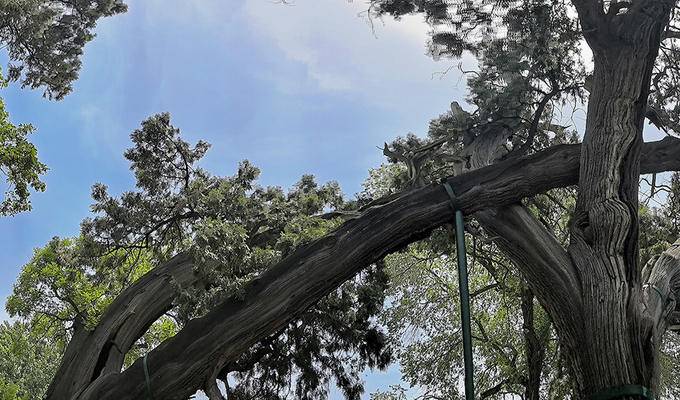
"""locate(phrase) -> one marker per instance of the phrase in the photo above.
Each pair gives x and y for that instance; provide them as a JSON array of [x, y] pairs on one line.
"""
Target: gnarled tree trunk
[[613, 346]]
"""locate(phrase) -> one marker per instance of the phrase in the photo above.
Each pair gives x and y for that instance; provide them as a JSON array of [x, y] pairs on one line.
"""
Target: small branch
[[535, 122]]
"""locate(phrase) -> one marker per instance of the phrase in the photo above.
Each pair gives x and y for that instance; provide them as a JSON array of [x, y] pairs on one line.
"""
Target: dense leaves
[[28, 359], [19, 163], [45, 39], [71, 290]]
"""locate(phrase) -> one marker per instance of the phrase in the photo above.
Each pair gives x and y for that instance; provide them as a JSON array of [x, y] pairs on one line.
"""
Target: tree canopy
[[45, 39]]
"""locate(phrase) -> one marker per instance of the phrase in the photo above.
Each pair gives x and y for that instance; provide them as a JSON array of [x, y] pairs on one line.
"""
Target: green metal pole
[[464, 306], [464, 296]]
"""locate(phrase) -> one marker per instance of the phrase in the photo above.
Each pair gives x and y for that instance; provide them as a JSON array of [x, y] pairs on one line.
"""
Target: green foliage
[[9, 391], [18, 162], [334, 341], [670, 366], [28, 359], [45, 39], [423, 322], [63, 285]]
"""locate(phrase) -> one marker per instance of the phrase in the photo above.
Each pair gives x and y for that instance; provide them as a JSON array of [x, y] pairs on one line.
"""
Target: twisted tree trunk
[[613, 345]]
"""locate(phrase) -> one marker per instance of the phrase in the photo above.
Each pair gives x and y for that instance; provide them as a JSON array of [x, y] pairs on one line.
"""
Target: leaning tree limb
[[92, 353], [183, 363], [542, 260]]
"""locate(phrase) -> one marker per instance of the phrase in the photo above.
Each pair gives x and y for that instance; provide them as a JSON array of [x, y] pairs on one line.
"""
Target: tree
[[599, 272], [27, 360], [609, 313], [44, 41]]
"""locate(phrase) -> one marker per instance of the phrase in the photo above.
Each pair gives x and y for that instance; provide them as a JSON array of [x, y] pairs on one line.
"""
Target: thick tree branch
[[91, 353], [181, 365], [542, 260]]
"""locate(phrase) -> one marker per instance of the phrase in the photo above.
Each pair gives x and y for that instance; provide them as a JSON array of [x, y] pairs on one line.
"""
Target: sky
[[307, 88]]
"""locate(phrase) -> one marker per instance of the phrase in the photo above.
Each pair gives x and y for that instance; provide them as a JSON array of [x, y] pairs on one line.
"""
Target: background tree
[[19, 163], [28, 359], [45, 39]]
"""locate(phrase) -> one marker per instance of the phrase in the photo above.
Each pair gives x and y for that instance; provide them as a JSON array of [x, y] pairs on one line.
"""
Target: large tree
[[610, 313]]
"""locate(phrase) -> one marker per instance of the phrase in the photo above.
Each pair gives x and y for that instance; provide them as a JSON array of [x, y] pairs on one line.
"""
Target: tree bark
[[610, 349], [535, 345], [92, 353], [182, 364]]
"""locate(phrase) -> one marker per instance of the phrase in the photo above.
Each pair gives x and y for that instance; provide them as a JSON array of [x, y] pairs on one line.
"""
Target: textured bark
[[182, 364], [535, 347], [660, 300], [604, 231], [91, 353]]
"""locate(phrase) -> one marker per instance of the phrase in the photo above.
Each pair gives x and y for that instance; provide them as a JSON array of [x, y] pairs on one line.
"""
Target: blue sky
[[308, 88]]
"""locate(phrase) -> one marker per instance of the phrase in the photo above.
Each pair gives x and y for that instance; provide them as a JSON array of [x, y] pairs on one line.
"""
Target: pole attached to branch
[[464, 296]]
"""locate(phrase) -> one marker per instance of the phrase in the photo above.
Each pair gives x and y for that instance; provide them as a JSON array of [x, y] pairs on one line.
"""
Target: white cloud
[[191, 11], [343, 51]]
